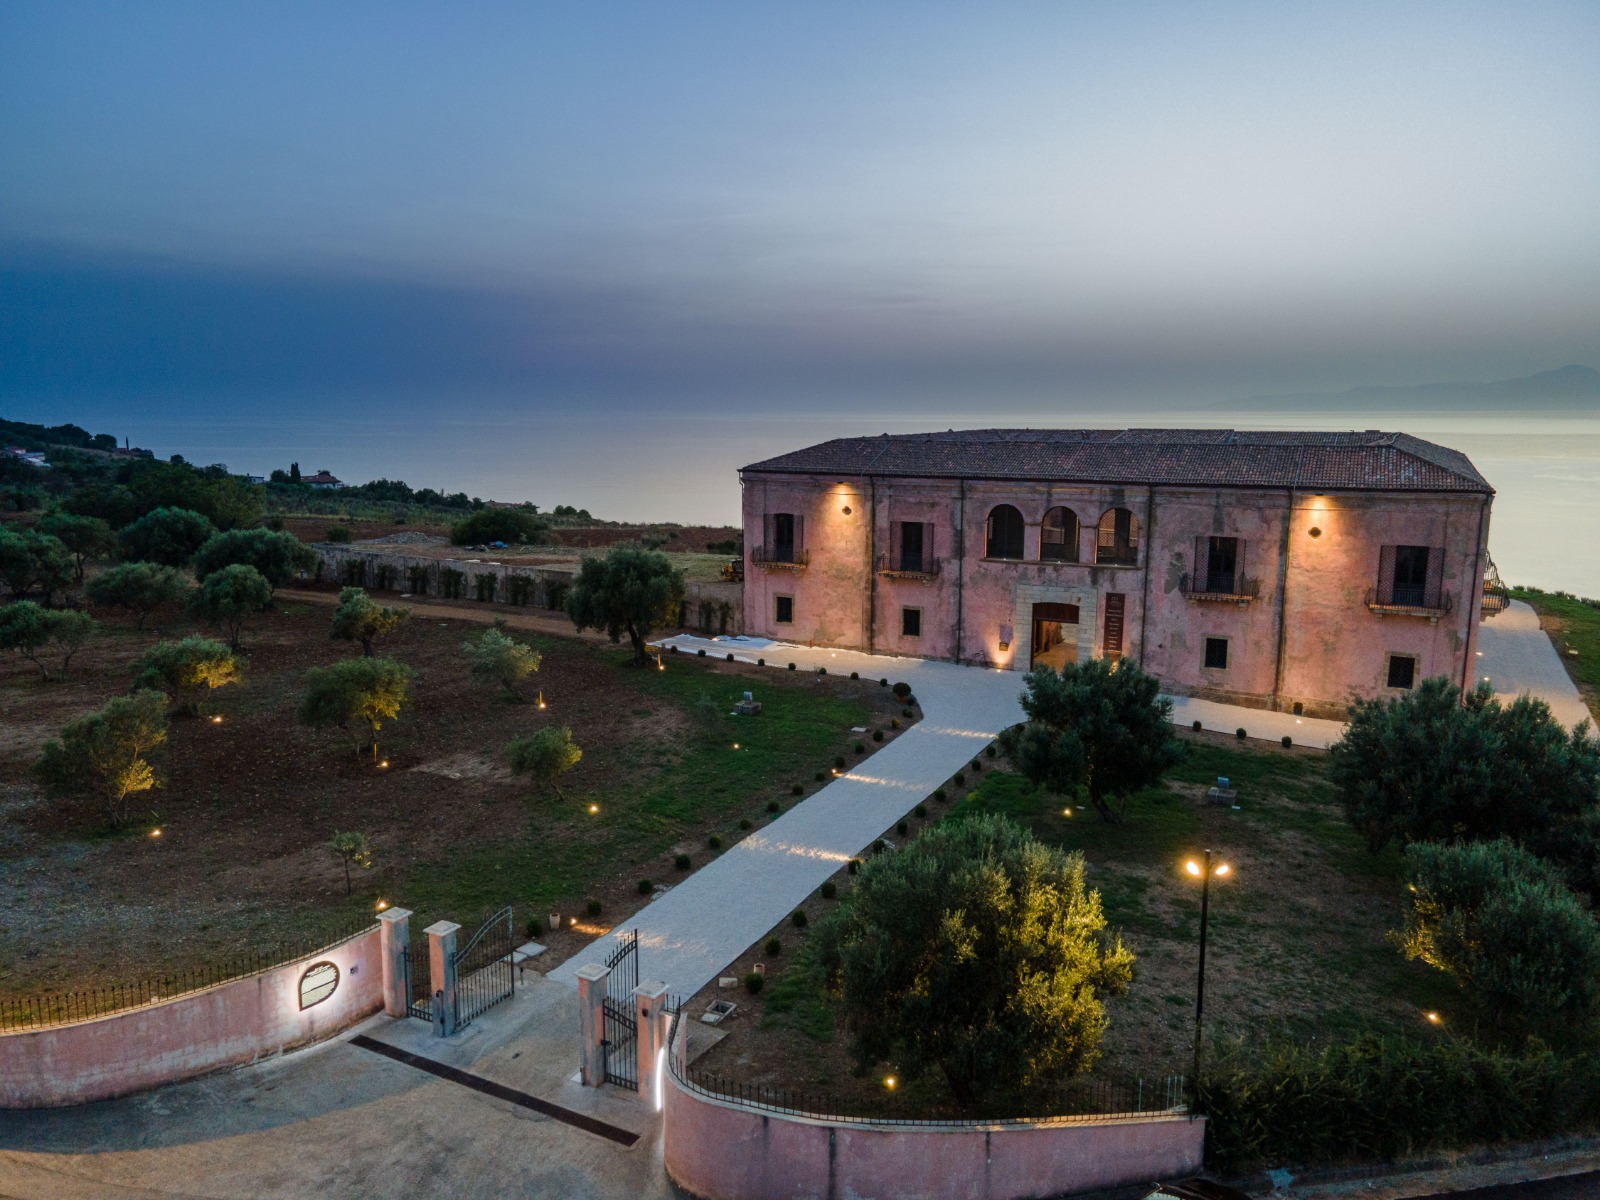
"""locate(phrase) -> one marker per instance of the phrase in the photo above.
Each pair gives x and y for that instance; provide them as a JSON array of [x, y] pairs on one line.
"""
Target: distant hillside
[[1569, 389]]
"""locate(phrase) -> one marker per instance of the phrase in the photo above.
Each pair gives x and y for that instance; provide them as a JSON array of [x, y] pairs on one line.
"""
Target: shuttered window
[[1218, 565], [913, 545], [785, 537], [1411, 576]]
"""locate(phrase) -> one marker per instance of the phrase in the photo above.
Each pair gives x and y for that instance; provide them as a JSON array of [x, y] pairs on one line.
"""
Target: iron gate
[[483, 970], [419, 998], [622, 1029]]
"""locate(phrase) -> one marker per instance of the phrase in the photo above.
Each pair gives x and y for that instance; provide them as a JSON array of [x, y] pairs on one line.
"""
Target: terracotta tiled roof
[[1178, 457]]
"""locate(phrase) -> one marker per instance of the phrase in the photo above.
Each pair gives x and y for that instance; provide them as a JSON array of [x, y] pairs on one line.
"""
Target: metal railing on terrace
[[780, 558], [65, 1008], [920, 566], [1230, 589], [1410, 600]]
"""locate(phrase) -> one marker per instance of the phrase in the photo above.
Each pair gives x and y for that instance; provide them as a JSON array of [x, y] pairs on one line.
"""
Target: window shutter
[[1238, 567], [799, 537], [1431, 595], [1386, 575], [767, 540], [927, 545], [1198, 581]]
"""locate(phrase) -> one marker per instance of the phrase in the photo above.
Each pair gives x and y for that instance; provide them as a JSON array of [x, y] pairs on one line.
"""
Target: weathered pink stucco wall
[[1307, 637], [227, 1025], [721, 1150]]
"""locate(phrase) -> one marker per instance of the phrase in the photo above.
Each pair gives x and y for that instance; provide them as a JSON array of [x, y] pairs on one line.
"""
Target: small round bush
[[672, 649], [922, 810], [901, 689], [754, 982], [879, 846], [989, 751], [877, 735], [593, 907], [941, 795], [960, 779], [681, 862], [855, 674], [646, 887], [533, 928], [902, 828], [701, 653], [819, 777], [714, 842], [838, 762], [730, 658], [977, 767], [906, 713], [852, 866], [791, 666], [883, 683], [745, 823], [773, 947], [894, 722], [1287, 741], [761, 662], [861, 748], [798, 918], [1198, 727], [1239, 733], [829, 889], [773, 806], [796, 790], [822, 670]]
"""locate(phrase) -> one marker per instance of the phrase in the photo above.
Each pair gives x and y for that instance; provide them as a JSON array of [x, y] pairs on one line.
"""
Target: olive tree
[[187, 670], [359, 692], [545, 756], [1502, 923], [497, 658], [224, 598], [631, 590], [351, 848], [139, 587], [360, 618], [977, 952], [278, 556], [107, 753], [84, 537], [1097, 725], [169, 536], [35, 632], [33, 559]]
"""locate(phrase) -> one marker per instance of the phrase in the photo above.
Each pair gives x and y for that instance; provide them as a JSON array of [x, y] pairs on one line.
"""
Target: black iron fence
[[64, 1008]]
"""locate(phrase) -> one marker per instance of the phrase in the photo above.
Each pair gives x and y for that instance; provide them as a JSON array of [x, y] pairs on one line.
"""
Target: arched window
[[1058, 536], [1117, 542], [1005, 533]]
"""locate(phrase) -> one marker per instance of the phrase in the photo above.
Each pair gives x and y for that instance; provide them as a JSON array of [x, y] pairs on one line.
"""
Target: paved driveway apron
[[692, 932], [1516, 656]]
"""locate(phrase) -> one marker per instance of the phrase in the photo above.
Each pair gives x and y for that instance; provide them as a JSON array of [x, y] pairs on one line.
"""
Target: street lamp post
[[1205, 871]]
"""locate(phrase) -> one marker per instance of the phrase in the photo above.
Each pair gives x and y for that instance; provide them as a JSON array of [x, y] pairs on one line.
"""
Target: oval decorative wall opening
[[318, 983]]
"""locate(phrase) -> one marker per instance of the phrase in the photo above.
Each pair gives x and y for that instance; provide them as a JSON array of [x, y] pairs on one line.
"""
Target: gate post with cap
[[442, 974], [650, 1034], [592, 979], [395, 924]]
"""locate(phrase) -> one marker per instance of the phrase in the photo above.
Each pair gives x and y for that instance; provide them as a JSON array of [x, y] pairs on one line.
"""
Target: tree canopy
[[498, 525], [1502, 923], [187, 670], [545, 756], [108, 753], [1097, 725], [169, 536], [276, 555], [140, 587], [498, 658], [1429, 766], [360, 618], [978, 952], [33, 559], [364, 692], [631, 590], [224, 598], [34, 631], [84, 537]]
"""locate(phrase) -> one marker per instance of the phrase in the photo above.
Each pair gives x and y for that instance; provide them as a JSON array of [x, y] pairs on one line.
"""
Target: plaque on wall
[[318, 983]]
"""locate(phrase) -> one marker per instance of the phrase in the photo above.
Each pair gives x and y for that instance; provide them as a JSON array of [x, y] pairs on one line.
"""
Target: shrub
[[879, 845], [681, 862], [754, 982], [796, 789], [533, 927], [855, 674], [838, 762], [140, 587], [354, 691], [894, 722], [791, 666], [83, 538], [902, 828], [701, 653], [225, 597], [494, 657], [545, 755], [672, 649], [187, 670], [1287, 741], [646, 887], [1198, 727], [498, 525], [277, 556], [1240, 733], [730, 658], [860, 748], [977, 767], [877, 735], [773, 947], [798, 918], [761, 662], [822, 670], [746, 823], [107, 753], [352, 849], [773, 806], [922, 810], [960, 779], [883, 683], [990, 751], [830, 889], [852, 866], [592, 907], [360, 618], [902, 690], [714, 842], [819, 776], [32, 630], [907, 713], [169, 536], [337, 534], [941, 795]]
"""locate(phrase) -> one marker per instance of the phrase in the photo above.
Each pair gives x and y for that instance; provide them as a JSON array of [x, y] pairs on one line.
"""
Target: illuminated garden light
[[216, 720], [155, 833], [1067, 812], [384, 765], [382, 904], [889, 1083], [1433, 1017], [594, 808]]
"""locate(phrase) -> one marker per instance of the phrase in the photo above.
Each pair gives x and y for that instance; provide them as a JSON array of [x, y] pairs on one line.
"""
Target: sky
[[546, 250]]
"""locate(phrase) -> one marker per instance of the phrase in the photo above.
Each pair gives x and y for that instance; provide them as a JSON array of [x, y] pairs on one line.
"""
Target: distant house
[[34, 458], [322, 479]]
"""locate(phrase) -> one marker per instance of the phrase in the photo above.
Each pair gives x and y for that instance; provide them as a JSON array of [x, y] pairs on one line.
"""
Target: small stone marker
[[727, 981], [858, 729], [748, 707]]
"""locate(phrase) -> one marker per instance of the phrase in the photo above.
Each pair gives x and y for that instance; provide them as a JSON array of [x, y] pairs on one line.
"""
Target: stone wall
[[228, 1025]]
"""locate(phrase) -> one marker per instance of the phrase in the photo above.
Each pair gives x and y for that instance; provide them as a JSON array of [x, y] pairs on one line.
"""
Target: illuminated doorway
[[1055, 635]]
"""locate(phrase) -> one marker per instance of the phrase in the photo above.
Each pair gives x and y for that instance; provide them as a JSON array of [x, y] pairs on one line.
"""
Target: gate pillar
[[650, 1011], [592, 979], [395, 934], [442, 974]]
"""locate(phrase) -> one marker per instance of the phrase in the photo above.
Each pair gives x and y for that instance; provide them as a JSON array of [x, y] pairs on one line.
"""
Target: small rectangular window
[[783, 610], [1217, 654], [1402, 670], [910, 622]]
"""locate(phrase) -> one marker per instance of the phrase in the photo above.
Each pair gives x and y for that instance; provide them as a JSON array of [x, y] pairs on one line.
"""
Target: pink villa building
[[1290, 571]]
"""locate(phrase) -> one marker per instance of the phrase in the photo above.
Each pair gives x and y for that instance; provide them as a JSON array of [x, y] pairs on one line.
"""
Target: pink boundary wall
[[723, 1150], [227, 1025]]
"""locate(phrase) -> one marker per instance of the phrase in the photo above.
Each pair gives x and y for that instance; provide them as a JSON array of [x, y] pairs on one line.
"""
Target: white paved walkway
[[1515, 656]]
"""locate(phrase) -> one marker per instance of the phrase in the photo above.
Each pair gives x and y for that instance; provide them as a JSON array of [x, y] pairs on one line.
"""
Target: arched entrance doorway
[[1055, 635]]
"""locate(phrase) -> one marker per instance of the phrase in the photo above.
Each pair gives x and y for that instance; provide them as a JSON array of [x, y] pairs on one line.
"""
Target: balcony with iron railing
[[780, 558], [1496, 596], [1410, 600], [1219, 589], [923, 567]]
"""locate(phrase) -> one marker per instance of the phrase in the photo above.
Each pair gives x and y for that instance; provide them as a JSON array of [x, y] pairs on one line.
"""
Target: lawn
[[1573, 624], [250, 803], [1297, 941]]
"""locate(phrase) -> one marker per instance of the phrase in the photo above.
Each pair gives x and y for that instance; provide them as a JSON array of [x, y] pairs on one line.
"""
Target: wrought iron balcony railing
[[1409, 600], [908, 566], [780, 558], [1219, 588]]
